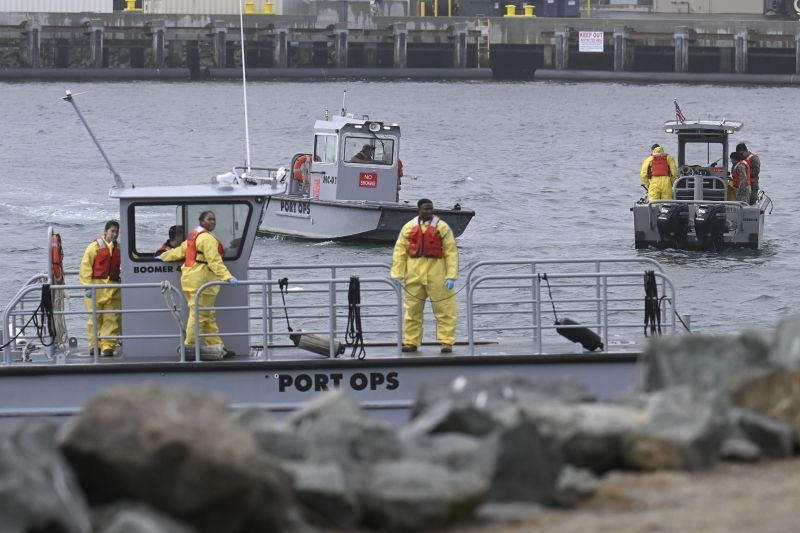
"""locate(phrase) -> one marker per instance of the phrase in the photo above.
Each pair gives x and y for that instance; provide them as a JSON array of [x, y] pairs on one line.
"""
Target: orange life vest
[[659, 166], [57, 256], [106, 264], [735, 175], [425, 243], [749, 161], [191, 247], [297, 168]]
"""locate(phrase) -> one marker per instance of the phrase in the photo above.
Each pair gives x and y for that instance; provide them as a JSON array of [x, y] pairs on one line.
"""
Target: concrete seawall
[[145, 46]]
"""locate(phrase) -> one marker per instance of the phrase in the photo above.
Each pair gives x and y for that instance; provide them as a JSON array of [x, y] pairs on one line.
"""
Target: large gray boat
[[700, 216], [348, 189], [346, 318]]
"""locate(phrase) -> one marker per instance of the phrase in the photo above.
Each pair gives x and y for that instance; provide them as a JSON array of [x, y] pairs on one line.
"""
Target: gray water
[[551, 169]]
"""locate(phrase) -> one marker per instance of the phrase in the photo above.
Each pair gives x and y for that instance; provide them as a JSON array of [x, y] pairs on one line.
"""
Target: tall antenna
[[344, 105], [117, 179], [244, 88]]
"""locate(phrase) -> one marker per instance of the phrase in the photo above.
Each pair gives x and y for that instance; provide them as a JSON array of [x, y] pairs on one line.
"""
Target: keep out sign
[[368, 179]]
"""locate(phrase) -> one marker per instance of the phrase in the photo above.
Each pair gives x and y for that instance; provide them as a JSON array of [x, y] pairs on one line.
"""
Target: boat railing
[[16, 317], [262, 310], [606, 302], [300, 271]]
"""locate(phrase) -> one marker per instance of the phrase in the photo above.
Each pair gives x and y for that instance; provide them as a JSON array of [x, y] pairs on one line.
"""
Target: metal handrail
[[267, 286], [10, 311], [601, 311]]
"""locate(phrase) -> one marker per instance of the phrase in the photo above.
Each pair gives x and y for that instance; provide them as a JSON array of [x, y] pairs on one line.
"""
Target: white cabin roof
[[210, 190]]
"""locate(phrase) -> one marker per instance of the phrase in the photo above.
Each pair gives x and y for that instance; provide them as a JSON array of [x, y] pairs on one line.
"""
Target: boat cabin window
[[373, 150], [704, 154], [149, 225], [325, 148]]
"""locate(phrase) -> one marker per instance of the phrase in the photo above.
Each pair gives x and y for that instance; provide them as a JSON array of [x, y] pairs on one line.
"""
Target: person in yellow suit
[[658, 173], [101, 266], [202, 256], [426, 258]]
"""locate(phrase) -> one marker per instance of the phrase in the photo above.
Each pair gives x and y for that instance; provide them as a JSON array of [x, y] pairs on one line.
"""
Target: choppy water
[[550, 168]]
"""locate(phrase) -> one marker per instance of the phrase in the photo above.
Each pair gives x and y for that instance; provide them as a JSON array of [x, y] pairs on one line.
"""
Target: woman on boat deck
[[658, 173], [202, 255], [100, 266]]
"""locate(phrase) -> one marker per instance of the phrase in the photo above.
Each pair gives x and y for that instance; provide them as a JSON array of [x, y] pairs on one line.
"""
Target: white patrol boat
[[348, 188], [48, 368], [699, 217]]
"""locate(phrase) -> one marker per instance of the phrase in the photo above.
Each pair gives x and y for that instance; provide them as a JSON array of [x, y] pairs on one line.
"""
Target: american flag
[[678, 113]]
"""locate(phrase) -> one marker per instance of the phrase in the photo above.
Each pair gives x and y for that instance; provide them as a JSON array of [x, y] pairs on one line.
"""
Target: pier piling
[[742, 38], [95, 30], [622, 47], [219, 31], [401, 45], [459, 45], [562, 48], [681, 40]]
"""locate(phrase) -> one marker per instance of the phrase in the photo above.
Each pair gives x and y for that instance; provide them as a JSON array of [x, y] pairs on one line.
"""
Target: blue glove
[[88, 293], [159, 258], [233, 281], [450, 283]]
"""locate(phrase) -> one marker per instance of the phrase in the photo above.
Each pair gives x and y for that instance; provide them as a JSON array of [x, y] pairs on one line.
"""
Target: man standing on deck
[[426, 258], [754, 165], [100, 266], [658, 173]]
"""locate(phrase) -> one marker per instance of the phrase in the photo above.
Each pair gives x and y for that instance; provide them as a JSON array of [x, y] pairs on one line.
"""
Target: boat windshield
[[373, 150], [703, 154], [149, 225]]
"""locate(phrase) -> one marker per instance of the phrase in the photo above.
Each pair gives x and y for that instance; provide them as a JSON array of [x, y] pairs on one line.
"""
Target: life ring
[[57, 257], [298, 167], [797, 6]]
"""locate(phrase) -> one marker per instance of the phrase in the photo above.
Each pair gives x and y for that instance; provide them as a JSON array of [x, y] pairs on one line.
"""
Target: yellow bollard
[[422, 9], [511, 10], [268, 8], [449, 8], [249, 8], [528, 10], [435, 8], [131, 5]]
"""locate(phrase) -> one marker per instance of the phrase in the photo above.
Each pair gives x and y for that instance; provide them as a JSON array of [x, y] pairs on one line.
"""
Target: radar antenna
[[344, 105], [117, 179]]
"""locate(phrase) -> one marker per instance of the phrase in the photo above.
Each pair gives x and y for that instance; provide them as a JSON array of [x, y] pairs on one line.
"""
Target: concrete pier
[[43, 43]]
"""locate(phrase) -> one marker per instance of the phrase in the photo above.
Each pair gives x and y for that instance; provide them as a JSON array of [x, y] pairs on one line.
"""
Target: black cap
[[656, 145]]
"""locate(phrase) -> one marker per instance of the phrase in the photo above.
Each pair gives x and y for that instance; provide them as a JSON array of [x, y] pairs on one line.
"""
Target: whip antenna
[[344, 106], [244, 89], [117, 179]]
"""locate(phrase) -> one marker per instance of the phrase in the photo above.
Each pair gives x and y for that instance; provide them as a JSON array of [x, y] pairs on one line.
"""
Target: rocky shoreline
[[497, 452]]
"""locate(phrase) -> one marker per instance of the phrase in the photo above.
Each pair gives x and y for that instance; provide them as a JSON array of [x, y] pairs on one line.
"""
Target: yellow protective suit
[[425, 277], [108, 324], [658, 187], [210, 269]]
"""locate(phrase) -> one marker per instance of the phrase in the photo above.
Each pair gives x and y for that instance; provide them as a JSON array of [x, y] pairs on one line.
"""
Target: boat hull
[[385, 387], [304, 218], [744, 226]]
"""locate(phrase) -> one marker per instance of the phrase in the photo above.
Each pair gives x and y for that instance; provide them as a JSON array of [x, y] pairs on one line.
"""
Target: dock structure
[[144, 45]]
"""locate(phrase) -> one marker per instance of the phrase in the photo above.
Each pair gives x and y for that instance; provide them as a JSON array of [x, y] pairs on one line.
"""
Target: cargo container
[[207, 7], [56, 6]]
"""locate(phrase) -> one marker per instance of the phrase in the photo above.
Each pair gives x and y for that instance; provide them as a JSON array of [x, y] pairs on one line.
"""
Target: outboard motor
[[710, 224], [673, 222]]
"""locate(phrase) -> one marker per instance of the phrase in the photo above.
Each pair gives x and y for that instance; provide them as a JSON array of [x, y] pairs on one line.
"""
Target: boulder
[[350, 440], [325, 406], [129, 517], [705, 362], [590, 435], [178, 451], [785, 348], [741, 450], [527, 465], [38, 492], [455, 451], [273, 437], [684, 431], [326, 498], [772, 438], [774, 394], [411, 495], [575, 485]]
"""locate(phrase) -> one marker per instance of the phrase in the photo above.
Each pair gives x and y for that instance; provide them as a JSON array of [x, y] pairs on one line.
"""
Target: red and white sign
[[590, 41], [315, 189], [368, 179]]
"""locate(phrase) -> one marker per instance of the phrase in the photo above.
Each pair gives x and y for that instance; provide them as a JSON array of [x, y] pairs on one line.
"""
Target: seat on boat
[[713, 188]]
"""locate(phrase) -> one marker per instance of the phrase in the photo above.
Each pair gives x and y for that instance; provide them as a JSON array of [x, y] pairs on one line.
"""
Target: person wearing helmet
[[658, 173]]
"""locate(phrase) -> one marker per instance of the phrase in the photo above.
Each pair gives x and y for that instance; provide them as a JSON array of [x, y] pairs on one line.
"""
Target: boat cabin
[[145, 216], [352, 159], [702, 158]]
